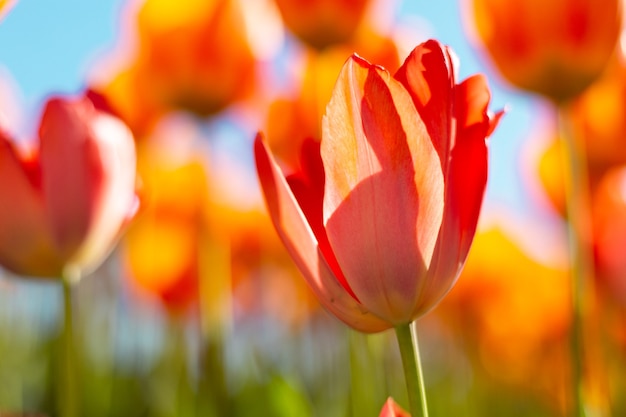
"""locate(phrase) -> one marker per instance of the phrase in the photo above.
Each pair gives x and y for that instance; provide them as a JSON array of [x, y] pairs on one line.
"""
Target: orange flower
[[162, 249], [262, 273], [609, 221], [133, 100], [598, 116], [551, 174], [555, 48], [64, 204], [381, 218], [391, 409], [515, 311], [194, 53], [322, 23]]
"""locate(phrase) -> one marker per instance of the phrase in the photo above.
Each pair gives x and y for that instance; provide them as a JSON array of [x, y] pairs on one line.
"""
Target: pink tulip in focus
[[64, 203], [382, 216]]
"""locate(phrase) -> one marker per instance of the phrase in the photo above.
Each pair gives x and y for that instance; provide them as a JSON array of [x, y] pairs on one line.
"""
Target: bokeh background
[[199, 311]]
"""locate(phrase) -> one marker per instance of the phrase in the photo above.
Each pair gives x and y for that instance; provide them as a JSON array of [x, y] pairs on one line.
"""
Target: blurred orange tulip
[[609, 227], [322, 23], [598, 116], [374, 256], [63, 205], [262, 272], [194, 53], [555, 48], [162, 249], [391, 409], [515, 310], [132, 99], [551, 174]]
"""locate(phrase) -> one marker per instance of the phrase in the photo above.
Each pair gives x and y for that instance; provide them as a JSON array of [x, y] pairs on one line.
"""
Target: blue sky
[[49, 47]]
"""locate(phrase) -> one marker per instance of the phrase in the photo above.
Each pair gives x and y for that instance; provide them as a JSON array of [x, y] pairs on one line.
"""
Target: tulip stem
[[68, 401], [579, 235], [409, 351]]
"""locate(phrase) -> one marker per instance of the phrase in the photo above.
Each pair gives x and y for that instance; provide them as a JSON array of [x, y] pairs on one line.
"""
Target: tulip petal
[[468, 170], [465, 187], [25, 242], [392, 409], [88, 168], [307, 187], [301, 243], [383, 202], [428, 75]]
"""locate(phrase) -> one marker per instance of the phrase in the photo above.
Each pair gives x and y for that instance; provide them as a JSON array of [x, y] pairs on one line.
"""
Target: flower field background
[[182, 299]]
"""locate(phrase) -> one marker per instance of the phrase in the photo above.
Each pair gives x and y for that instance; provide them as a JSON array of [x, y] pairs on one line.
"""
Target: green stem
[[409, 351], [367, 378], [68, 401], [579, 235]]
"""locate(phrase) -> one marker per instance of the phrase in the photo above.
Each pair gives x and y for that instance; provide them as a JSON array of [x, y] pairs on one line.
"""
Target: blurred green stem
[[367, 378], [68, 401], [409, 350], [579, 235]]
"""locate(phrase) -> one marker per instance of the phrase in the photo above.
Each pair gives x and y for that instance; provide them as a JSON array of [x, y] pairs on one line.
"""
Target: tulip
[[609, 221], [392, 409], [172, 223], [64, 204], [193, 54], [597, 115], [382, 215], [322, 23], [555, 48]]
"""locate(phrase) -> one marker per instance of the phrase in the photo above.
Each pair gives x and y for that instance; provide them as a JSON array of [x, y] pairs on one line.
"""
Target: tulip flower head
[[383, 213], [63, 205], [555, 48], [322, 23]]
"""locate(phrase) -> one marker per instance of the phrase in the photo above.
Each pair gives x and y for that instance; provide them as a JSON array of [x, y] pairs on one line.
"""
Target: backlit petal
[[465, 187], [300, 241], [383, 201], [428, 75]]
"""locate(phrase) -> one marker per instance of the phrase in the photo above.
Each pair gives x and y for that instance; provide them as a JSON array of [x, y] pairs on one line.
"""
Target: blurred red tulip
[[63, 205], [322, 23], [555, 48], [391, 409], [381, 218]]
